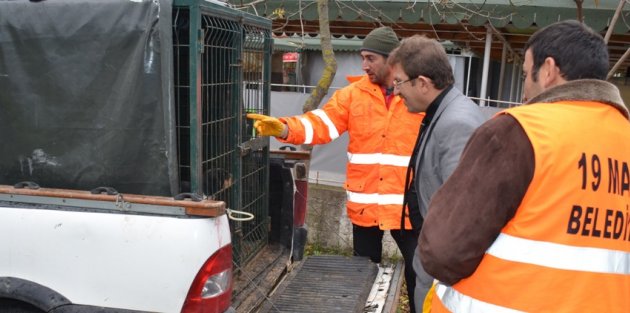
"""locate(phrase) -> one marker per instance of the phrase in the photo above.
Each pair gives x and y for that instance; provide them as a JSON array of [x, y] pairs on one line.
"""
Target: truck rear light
[[211, 291], [216, 284]]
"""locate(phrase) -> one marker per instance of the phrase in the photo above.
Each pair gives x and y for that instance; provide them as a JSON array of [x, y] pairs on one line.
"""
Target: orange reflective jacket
[[567, 248], [381, 143]]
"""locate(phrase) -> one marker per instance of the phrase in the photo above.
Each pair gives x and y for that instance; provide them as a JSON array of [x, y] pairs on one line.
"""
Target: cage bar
[[222, 60]]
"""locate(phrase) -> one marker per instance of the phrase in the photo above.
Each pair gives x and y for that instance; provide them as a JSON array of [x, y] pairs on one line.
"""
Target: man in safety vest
[[381, 133], [423, 77], [535, 218]]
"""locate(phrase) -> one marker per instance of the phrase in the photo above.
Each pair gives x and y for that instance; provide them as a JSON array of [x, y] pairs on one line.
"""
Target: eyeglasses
[[397, 83]]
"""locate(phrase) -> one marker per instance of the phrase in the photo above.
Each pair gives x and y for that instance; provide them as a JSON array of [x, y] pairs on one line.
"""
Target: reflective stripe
[[374, 198], [455, 301], [332, 129], [378, 158], [561, 256], [308, 130]]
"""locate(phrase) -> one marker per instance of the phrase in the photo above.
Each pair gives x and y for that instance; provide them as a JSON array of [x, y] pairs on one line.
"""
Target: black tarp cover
[[85, 95]]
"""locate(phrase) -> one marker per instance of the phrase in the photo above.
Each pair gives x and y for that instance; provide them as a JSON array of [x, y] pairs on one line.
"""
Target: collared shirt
[[388, 94]]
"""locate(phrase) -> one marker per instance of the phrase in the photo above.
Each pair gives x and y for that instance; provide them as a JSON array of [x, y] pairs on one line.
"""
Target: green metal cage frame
[[251, 47]]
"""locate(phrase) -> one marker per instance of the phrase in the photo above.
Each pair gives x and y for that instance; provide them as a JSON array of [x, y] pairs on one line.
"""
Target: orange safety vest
[[381, 143], [567, 248]]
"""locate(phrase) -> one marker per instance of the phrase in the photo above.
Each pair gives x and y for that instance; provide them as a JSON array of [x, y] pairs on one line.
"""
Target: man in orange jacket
[[382, 136], [535, 217]]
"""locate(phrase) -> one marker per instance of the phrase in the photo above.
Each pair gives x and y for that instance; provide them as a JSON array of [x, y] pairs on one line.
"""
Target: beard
[[378, 77]]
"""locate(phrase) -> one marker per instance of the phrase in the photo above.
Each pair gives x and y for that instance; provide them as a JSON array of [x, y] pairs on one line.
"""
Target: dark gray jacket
[[440, 149], [453, 123]]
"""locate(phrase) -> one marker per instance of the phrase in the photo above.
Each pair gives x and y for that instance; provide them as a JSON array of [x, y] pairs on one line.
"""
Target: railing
[[498, 103]]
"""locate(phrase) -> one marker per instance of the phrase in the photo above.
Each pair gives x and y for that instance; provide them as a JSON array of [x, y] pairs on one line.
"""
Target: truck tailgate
[[318, 284]]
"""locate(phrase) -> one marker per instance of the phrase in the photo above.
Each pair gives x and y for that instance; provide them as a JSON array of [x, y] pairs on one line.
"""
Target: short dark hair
[[419, 55], [579, 52]]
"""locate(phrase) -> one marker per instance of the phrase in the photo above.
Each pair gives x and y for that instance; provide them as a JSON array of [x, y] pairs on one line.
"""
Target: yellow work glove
[[268, 125]]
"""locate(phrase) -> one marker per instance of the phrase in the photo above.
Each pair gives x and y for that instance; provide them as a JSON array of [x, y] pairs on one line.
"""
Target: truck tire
[[16, 306]]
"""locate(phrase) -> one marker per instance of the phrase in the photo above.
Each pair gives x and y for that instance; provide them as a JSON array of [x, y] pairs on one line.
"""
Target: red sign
[[290, 57]]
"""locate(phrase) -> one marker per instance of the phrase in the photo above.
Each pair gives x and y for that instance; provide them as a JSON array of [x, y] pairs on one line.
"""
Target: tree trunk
[[329, 59], [580, 16]]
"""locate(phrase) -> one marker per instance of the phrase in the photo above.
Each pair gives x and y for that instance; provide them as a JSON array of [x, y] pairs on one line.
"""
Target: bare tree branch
[[328, 54], [580, 16]]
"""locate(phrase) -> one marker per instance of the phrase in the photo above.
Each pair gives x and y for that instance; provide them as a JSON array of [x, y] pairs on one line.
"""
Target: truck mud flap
[[288, 192]]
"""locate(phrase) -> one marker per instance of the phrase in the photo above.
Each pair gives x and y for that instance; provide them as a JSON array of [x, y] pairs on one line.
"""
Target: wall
[[327, 221]]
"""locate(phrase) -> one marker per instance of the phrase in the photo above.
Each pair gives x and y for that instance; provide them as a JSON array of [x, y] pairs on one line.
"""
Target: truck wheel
[[16, 306]]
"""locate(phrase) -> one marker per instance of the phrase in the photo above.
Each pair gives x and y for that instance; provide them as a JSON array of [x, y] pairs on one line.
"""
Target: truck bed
[[98, 252], [318, 284]]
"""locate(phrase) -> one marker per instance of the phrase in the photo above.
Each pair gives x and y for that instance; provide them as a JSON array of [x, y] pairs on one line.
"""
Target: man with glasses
[[423, 78], [381, 132]]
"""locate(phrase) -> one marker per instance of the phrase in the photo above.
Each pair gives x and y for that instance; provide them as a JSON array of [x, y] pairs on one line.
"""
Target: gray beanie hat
[[381, 40]]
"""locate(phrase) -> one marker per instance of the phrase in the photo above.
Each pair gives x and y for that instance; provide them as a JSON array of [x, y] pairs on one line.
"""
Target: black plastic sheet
[[85, 95]]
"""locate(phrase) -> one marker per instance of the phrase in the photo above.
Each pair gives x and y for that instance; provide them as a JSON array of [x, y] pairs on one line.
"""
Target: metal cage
[[222, 60]]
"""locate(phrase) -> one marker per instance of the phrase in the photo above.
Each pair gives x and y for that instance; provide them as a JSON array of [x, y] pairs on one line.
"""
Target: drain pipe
[[486, 66], [502, 71]]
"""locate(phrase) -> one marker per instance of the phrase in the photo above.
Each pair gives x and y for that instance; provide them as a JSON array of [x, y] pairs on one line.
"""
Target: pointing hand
[[268, 125]]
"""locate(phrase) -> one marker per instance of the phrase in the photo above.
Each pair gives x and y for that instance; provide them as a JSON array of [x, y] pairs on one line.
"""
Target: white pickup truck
[[78, 251], [91, 96], [123, 150]]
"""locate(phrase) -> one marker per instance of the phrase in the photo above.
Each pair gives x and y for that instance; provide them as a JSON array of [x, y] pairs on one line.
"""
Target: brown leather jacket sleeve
[[468, 212]]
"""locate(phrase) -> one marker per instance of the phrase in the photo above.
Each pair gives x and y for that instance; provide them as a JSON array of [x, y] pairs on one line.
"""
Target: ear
[[425, 81], [550, 74]]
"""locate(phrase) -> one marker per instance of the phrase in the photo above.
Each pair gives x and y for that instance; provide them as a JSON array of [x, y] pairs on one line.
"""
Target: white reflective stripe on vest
[[308, 130], [455, 301], [378, 158], [332, 130], [374, 198], [565, 257]]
